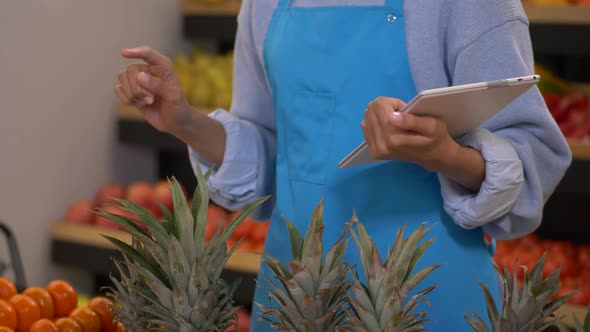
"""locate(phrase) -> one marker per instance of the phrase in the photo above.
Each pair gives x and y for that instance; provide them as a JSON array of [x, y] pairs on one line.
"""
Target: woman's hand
[[153, 87], [423, 140], [392, 135]]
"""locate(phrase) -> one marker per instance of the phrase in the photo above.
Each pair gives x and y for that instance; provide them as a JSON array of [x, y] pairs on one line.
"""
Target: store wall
[[59, 61]]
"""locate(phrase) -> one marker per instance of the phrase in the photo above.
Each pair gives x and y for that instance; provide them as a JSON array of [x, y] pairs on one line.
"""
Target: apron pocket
[[308, 128]]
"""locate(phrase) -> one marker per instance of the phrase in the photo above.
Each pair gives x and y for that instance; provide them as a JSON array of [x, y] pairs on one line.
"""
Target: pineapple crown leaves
[[382, 303], [170, 270], [310, 291], [524, 309]]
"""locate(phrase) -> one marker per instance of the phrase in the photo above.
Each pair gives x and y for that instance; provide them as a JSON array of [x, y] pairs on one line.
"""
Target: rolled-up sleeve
[[247, 171], [526, 154]]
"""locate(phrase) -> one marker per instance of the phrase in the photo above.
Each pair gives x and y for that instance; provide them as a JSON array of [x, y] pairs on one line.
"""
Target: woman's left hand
[[391, 135]]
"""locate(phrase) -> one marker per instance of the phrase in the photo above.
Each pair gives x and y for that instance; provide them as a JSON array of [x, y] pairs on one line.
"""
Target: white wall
[[59, 61]]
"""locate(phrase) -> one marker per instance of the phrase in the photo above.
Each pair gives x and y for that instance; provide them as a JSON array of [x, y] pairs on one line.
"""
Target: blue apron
[[325, 64]]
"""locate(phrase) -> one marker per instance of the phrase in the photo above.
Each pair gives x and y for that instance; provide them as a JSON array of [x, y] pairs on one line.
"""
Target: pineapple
[[382, 304], [128, 301], [528, 309], [311, 291], [171, 267]]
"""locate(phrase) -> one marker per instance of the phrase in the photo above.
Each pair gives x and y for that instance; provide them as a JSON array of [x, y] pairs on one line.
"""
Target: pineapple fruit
[[311, 292], [320, 295], [528, 309], [170, 278], [384, 302]]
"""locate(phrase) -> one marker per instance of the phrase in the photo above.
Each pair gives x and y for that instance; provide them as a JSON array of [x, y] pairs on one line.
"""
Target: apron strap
[[286, 3], [397, 4]]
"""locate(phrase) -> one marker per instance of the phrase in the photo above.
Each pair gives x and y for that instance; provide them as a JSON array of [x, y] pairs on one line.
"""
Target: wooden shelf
[[569, 311], [217, 8], [90, 237], [579, 15], [580, 149]]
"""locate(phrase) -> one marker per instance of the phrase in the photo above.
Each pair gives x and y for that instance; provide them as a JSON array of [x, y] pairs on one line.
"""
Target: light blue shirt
[[449, 42]]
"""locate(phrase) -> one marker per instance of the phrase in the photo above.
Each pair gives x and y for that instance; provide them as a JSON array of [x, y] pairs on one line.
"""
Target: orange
[[43, 299], [87, 318], [66, 324], [7, 289], [27, 311], [43, 325], [104, 309], [65, 298], [7, 314], [6, 329]]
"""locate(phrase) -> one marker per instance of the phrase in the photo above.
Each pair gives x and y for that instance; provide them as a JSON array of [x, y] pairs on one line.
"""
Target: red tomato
[[584, 256], [580, 298]]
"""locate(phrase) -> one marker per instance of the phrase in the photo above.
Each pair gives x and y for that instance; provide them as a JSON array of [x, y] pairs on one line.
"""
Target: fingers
[[378, 124], [146, 54], [129, 90], [121, 94], [423, 125], [151, 83]]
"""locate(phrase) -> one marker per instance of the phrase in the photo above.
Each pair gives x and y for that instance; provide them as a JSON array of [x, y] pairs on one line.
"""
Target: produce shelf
[[580, 149], [202, 8], [578, 15], [569, 311], [89, 237]]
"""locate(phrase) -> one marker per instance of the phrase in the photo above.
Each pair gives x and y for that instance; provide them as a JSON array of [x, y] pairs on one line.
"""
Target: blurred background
[[66, 143]]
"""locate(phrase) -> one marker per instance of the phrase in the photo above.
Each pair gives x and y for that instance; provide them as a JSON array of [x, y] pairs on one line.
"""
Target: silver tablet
[[462, 107]]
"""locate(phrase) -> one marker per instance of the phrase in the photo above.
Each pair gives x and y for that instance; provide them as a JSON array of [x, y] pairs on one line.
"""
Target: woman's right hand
[[153, 87]]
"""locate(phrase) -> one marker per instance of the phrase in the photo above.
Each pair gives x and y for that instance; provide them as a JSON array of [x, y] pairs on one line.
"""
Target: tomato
[[7, 314], [580, 298], [43, 325], [66, 324], [65, 298], [584, 256], [104, 309], [27, 311], [244, 229], [259, 232], [7, 289], [87, 318], [43, 299], [216, 215]]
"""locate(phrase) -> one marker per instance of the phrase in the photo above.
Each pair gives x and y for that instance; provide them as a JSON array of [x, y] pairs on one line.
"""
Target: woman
[[314, 78]]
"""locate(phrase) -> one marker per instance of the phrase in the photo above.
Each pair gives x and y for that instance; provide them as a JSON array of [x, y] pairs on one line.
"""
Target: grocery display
[[170, 269], [55, 308], [206, 78], [556, 2], [250, 234], [569, 106], [573, 260]]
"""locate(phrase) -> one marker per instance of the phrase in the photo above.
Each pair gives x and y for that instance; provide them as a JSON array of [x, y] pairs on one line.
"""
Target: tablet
[[462, 107]]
